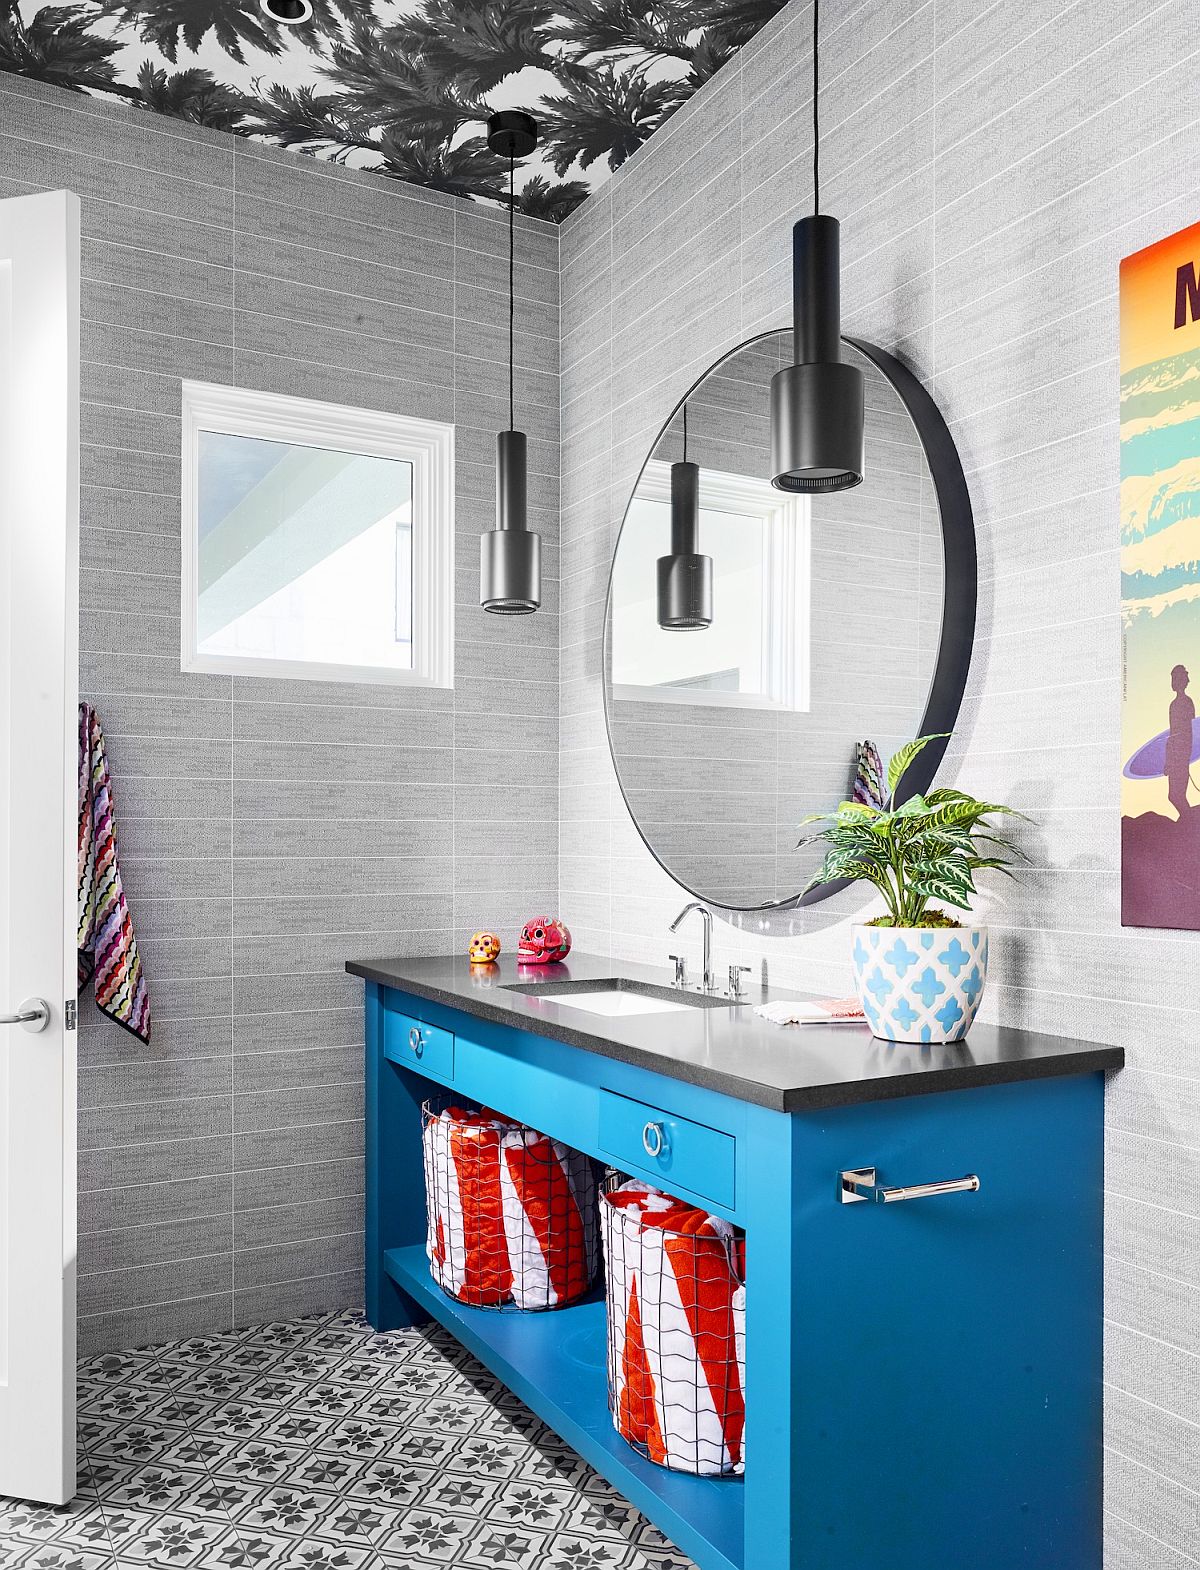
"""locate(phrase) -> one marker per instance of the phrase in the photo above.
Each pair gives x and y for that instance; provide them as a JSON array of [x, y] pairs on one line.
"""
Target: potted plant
[[919, 972]]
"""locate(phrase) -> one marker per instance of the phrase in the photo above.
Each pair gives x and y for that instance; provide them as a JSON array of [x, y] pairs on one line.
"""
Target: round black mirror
[[833, 620]]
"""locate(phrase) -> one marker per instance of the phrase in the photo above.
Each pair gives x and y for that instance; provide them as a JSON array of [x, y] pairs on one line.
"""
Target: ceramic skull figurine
[[483, 949], [543, 940]]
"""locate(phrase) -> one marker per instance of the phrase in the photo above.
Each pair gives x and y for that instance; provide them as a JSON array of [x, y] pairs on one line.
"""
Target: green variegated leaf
[[966, 812], [951, 891], [913, 807], [846, 867], [856, 809], [853, 835], [900, 761], [943, 868], [938, 841], [849, 864], [863, 841]]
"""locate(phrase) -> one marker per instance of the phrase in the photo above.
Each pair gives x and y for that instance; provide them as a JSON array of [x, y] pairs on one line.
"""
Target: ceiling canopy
[[400, 87]]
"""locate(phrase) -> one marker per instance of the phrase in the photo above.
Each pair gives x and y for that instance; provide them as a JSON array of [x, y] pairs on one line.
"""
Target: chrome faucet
[[710, 981], [736, 990]]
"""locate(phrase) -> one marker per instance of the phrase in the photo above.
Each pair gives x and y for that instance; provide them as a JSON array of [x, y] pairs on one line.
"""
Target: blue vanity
[[923, 1354]]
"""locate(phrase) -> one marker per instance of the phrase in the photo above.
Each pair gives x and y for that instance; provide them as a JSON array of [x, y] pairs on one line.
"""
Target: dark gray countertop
[[789, 1068]]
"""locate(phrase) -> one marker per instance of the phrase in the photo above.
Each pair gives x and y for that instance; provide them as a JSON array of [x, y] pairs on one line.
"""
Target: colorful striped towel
[[107, 947], [869, 787]]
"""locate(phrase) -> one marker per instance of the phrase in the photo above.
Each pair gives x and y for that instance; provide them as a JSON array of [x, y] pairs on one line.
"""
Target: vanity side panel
[[395, 1186], [947, 1388]]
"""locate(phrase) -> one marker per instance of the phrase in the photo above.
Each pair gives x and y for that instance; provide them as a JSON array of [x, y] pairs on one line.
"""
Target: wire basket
[[512, 1214], [676, 1330]]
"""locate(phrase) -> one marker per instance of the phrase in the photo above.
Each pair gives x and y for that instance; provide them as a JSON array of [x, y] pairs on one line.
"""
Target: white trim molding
[[427, 445]]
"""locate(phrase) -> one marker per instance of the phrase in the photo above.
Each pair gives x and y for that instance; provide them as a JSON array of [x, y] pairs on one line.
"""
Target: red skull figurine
[[543, 941]]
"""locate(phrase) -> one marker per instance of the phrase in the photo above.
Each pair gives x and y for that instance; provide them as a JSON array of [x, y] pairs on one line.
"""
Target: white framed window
[[318, 540], [756, 653]]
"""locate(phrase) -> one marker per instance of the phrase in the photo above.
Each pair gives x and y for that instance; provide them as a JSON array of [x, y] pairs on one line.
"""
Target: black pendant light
[[510, 562], [685, 577], [817, 402]]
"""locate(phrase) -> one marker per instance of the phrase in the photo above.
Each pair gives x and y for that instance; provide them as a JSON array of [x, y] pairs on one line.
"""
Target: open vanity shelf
[[555, 1362], [919, 1375]]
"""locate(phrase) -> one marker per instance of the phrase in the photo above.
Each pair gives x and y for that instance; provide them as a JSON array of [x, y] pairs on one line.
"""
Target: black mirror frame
[[959, 601]]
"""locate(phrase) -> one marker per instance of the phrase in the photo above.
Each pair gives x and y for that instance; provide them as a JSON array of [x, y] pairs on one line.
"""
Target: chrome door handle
[[32, 1015], [416, 1041], [856, 1185], [654, 1139]]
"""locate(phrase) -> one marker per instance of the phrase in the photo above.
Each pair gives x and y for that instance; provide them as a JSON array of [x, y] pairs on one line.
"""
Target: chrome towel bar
[[856, 1185]]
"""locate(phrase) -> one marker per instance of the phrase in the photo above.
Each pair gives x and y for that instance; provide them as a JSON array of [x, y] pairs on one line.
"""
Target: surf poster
[[1160, 583]]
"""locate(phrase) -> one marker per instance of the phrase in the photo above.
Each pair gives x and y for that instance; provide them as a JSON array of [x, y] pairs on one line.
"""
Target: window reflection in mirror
[[756, 652]]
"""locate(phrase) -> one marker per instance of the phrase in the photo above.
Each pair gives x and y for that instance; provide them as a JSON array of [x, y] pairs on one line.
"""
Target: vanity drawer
[[427, 1048], [671, 1151]]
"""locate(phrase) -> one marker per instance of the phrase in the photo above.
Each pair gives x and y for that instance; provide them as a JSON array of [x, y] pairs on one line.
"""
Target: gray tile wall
[[270, 829], [991, 165]]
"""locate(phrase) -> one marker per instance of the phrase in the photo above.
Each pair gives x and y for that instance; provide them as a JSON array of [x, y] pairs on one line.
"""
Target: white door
[[39, 691]]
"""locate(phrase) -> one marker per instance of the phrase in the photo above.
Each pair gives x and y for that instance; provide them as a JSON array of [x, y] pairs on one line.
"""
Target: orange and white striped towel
[[512, 1214], [677, 1331]]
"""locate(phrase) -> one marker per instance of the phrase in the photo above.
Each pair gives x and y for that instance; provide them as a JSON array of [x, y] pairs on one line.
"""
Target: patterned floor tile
[[139, 1442], [144, 1537], [431, 1537], [259, 1462], [53, 1557], [400, 1487], [279, 1551], [317, 1445], [77, 1526], [237, 1420]]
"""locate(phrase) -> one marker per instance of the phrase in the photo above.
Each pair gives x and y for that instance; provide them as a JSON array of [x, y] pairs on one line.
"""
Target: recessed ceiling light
[[292, 13]]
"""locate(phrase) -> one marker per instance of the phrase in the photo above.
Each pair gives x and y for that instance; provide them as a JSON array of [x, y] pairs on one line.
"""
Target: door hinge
[[69, 1008]]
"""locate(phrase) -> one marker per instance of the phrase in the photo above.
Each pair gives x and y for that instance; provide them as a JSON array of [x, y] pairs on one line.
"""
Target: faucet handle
[[680, 969], [735, 979]]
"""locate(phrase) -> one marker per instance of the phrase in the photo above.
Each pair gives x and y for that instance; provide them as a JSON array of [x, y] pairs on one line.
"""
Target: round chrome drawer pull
[[654, 1139], [416, 1041]]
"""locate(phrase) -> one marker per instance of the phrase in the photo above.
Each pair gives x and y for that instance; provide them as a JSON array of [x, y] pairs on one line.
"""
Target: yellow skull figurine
[[484, 948]]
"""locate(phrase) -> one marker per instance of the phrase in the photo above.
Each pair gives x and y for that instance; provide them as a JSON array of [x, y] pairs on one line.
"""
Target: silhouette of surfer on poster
[[1182, 714]]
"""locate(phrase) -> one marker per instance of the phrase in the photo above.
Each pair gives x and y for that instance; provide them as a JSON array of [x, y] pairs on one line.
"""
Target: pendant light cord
[[512, 295], [816, 123], [685, 431]]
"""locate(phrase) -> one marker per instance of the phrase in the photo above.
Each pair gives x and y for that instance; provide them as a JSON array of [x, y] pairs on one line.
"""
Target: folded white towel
[[800, 1011]]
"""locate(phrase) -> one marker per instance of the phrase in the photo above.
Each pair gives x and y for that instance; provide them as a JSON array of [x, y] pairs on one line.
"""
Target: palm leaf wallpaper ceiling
[[400, 87]]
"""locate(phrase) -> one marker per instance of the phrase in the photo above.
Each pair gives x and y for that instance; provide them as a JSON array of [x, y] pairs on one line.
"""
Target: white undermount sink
[[615, 1005], [621, 997]]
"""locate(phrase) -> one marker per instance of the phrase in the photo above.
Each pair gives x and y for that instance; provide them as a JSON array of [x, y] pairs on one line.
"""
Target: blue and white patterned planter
[[920, 984]]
